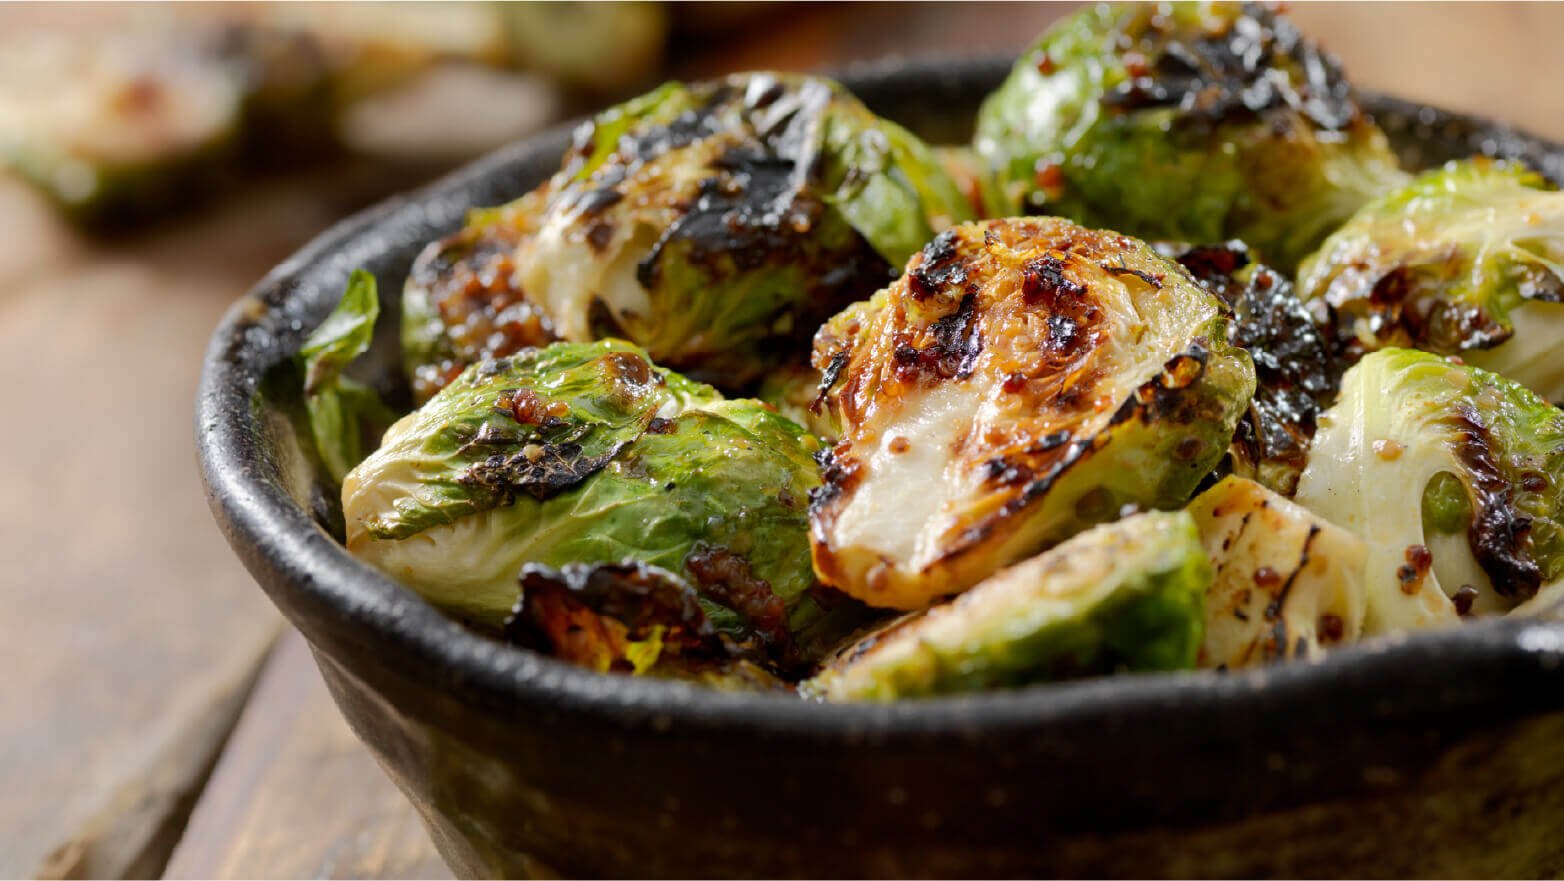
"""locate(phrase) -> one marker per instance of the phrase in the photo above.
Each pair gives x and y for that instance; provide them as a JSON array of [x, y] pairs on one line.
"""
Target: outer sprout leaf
[[341, 410], [1295, 373]]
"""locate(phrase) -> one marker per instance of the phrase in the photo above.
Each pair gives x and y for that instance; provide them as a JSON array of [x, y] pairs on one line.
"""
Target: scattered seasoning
[[1411, 574], [899, 444], [1267, 578], [1332, 628], [1465, 596], [1388, 450]]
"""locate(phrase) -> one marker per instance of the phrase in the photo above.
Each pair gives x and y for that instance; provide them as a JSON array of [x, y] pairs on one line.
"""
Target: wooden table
[[134, 737]]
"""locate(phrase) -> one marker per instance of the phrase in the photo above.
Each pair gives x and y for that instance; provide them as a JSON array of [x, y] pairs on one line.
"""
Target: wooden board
[[129, 633], [297, 796]]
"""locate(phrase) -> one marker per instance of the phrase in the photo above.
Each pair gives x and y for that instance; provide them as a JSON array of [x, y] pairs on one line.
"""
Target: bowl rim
[[314, 580]]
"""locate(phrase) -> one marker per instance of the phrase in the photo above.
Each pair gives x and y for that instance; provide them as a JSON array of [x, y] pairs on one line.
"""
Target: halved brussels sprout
[[1287, 585], [587, 453], [1190, 121], [1024, 380], [1294, 371], [111, 128], [1123, 596], [1467, 260], [714, 224], [1452, 475]]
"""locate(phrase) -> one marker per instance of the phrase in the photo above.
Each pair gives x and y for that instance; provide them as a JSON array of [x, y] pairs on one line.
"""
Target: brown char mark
[[1500, 537], [1216, 77], [839, 474], [541, 470], [829, 378], [760, 205], [728, 579], [939, 267], [1273, 610]]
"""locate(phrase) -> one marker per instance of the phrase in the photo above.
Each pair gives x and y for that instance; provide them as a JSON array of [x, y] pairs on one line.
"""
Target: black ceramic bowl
[[1441, 754]]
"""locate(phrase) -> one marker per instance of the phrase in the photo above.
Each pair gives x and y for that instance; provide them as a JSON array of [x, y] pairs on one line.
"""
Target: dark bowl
[[1440, 754]]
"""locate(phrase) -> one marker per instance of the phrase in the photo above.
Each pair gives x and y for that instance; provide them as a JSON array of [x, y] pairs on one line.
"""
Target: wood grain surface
[[297, 796], [129, 634]]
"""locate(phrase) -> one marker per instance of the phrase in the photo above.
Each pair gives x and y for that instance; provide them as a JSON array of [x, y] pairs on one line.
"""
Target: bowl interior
[[280, 512]]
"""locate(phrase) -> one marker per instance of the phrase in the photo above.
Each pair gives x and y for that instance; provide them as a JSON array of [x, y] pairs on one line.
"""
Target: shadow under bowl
[[1437, 755]]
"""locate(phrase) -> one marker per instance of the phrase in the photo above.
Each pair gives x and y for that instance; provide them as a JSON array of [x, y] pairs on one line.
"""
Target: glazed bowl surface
[[1437, 755]]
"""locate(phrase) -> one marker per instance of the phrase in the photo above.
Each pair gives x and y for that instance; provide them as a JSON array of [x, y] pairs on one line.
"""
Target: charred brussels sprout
[[598, 48], [1287, 585], [114, 128], [1452, 476], [1124, 596], [1468, 260], [587, 453], [1295, 373], [1024, 380], [714, 224], [1191, 121]]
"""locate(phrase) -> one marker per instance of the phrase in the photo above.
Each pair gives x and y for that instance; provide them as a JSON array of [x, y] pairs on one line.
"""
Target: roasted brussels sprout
[[1295, 373], [587, 453], [715, 224], [1467, 260], [343, 412], [1024, 380], [1287, 585], [598, 48], [1453, 476], [116, 127], [1191, 121], [1123, 596]]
